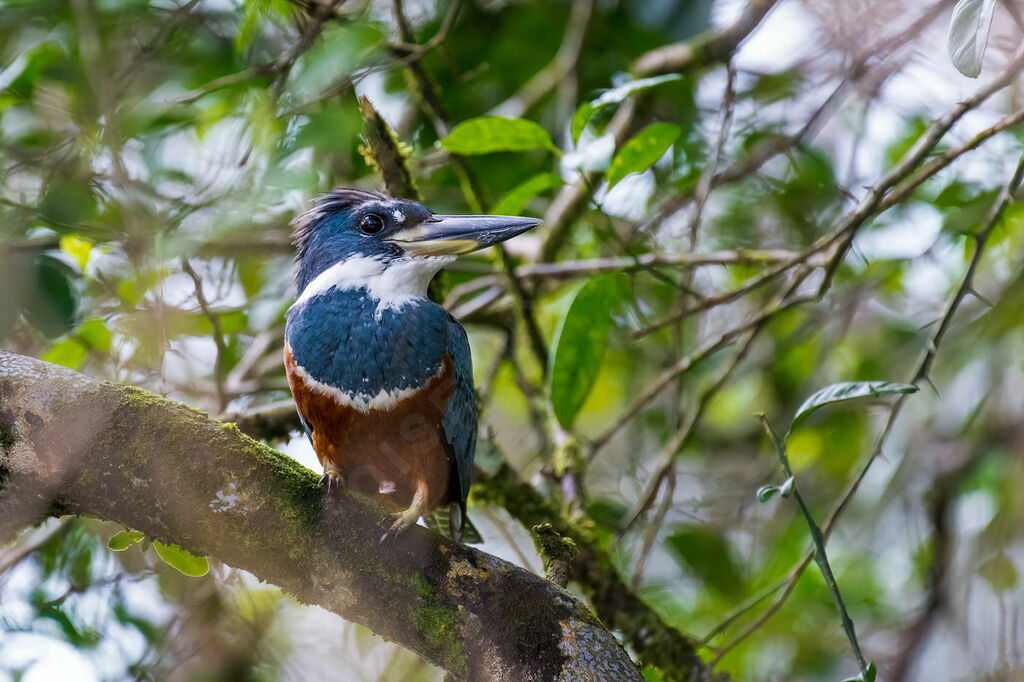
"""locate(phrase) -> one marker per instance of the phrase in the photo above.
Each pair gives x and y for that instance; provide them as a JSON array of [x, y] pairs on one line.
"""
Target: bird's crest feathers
[[324, 205]]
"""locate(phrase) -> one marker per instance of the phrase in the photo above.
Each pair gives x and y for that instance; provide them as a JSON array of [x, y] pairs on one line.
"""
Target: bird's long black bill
[[450, 235]]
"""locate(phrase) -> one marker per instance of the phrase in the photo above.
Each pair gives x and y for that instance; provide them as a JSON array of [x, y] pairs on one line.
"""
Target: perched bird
[[381, 375]]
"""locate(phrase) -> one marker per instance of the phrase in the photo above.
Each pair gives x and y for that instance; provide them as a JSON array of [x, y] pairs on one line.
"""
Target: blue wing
[[305, 427], [461, 418]]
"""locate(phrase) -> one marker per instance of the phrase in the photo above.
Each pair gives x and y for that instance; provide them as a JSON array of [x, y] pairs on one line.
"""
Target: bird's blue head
[[367, 234]]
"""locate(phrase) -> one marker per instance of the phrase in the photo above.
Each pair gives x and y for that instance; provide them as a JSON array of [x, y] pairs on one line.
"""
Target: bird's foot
[[408, 518], [403, 521], [333, 479]]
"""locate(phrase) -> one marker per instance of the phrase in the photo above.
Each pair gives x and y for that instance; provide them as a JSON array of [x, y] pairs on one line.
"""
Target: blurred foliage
[[137, 135]]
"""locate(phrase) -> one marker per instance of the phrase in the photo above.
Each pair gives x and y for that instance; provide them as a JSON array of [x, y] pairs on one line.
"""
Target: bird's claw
[[332, 477], [403, 522]]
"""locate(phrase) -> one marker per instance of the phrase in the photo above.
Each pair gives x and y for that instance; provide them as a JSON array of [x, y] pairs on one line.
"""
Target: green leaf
[[77, 636], [54, 305], [848, 391], [708, 556], [94, 333], [516, 200], [652, 674], [580, 119], [68, 353], [968, 34], [252, 274], [488, 134], [21, 76], [124, 540], [1000, 573], [640, 152], [767, 492], [257, 603], [185, 562], [579, 345], [587, 110], [250, 23], [78, 248]]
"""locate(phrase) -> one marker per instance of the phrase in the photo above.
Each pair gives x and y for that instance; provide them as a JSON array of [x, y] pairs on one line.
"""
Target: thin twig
[[699, 354], [705, 48], [820, 557], [310, 32], [905, 188], [679, 439], [218, 335], [561, 66], [651, 532], [920, 374], [703, 190], [565, 270], [870, 205]]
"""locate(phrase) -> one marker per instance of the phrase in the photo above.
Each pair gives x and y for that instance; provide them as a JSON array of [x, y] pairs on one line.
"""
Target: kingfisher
[[381, 375]]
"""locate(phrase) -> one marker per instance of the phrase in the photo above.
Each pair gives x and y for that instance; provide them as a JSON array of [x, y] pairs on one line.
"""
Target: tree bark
[[70, 444]]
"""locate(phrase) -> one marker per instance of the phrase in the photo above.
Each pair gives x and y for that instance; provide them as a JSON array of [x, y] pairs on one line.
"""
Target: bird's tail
[[452, 522]]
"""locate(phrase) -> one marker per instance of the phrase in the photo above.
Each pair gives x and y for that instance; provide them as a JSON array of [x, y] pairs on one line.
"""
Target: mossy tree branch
[[639, 625], [74, 445]]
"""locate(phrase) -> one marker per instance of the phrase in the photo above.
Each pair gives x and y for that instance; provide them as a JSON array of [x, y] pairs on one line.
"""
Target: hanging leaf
[[848, 391], [587, 110], [181, 560], [766, 492], [516, 200], [968, 34], [125, 539], [579, 345], [640, 152], [54, 303], [488, 134]]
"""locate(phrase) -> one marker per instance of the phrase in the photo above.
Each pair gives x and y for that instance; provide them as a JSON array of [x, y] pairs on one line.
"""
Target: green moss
[[439, 625]]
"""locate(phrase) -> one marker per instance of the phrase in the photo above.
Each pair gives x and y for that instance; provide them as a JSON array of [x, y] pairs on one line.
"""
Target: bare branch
[[707, 48]]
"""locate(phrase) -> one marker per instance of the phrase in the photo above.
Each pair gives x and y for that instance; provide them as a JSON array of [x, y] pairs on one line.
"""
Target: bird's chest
[[373, 386], [368, 355]]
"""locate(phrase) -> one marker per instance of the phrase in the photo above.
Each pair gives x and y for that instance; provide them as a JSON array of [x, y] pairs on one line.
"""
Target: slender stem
[[218, 335], [820, 557]]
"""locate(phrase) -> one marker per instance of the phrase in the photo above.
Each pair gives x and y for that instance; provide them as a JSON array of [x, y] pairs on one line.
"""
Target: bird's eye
[[371, 224]]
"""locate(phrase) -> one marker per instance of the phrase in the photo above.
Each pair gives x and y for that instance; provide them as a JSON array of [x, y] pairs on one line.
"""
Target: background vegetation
[[730, 226]]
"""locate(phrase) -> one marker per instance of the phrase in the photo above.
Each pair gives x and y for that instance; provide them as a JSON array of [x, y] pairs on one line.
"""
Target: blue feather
[[341, 340], [460, 421]]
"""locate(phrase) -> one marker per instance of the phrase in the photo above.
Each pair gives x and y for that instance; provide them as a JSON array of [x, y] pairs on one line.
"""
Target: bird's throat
[[392, 283]]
